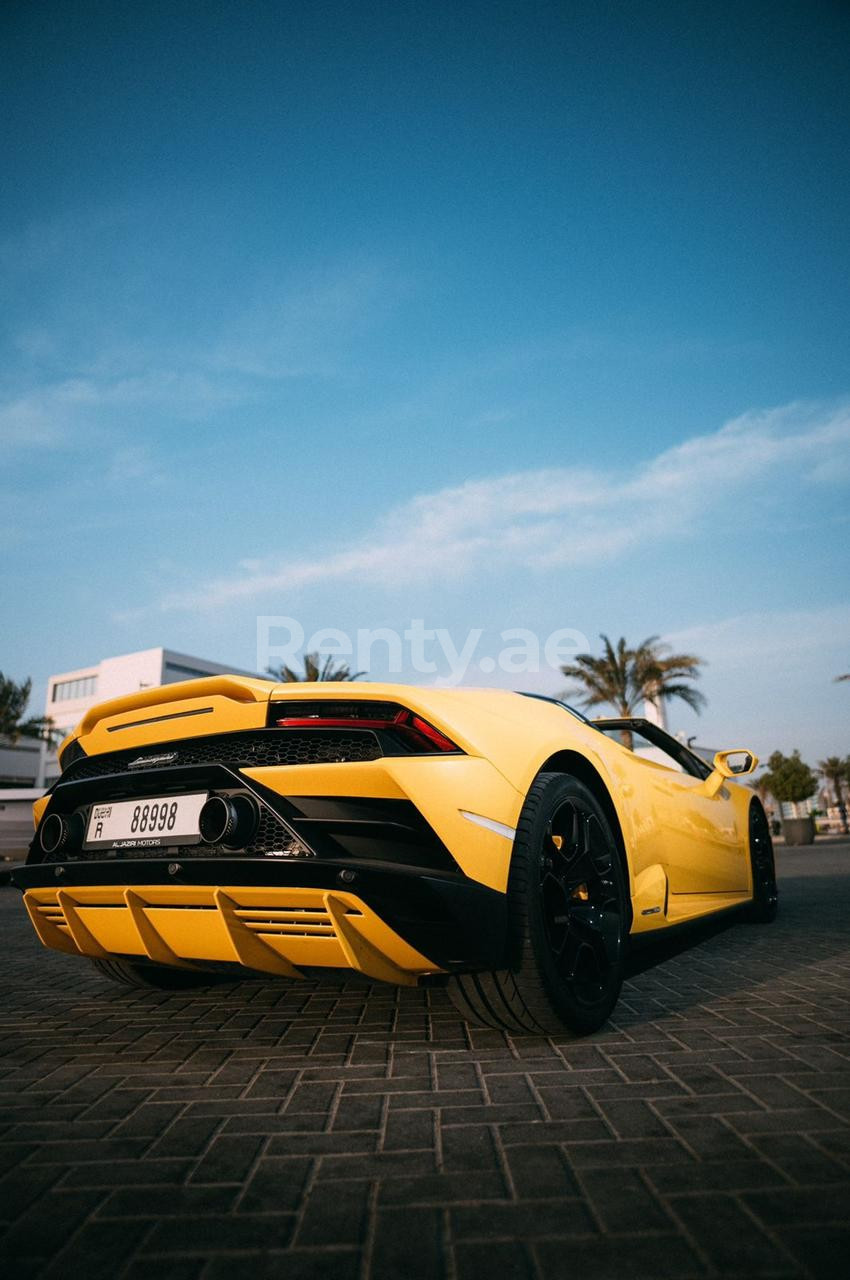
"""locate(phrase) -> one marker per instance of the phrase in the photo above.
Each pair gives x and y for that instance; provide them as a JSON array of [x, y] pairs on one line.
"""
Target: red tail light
[[350, 716], [336, 722], [426, 730]]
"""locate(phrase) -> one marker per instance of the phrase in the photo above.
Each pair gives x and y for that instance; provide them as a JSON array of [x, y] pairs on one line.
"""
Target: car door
[[705, 852], [698, 836]]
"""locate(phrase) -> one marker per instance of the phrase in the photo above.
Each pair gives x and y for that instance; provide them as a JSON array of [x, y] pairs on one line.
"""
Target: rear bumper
[[391, 923]]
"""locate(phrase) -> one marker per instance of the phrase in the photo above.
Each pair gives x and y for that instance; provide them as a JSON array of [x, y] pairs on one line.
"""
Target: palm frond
[[13, 702], [624, 676], [316, 668]]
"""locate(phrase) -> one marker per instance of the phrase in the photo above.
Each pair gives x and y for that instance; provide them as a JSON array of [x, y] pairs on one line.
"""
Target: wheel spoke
[[599, 929], [555, 911], [598, 846], [570, 956], [565, 835]]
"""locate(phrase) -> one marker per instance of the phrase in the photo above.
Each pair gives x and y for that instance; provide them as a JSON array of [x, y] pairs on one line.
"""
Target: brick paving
[[282, 1130]]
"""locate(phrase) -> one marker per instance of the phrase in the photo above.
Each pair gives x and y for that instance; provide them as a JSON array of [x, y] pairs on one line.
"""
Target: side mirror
[[735, 763]]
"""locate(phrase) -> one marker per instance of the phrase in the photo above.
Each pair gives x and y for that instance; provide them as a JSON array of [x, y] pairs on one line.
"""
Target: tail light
[[417, 733]]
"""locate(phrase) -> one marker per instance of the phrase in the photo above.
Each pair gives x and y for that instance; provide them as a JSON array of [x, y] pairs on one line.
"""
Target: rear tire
[[152, 976], [765, 903], [567, 920]]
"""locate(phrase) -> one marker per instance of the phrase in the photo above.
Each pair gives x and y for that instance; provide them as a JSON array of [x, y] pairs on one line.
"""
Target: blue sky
[[493, 315]]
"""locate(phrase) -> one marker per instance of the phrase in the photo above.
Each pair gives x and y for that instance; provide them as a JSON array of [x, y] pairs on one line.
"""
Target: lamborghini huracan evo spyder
[[499, 843]]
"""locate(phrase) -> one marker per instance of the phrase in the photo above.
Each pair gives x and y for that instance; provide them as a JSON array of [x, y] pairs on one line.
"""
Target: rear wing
[[236, 688], [141, 707]]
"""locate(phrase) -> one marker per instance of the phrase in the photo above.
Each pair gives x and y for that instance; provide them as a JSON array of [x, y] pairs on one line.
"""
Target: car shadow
[[648, 952], [814, 908], [812, 929]]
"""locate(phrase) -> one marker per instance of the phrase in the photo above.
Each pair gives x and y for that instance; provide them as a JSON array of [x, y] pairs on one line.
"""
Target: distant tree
[[789, 779], [761, 788], [13, 703], [834, 771], [315, 668], [624, 678]]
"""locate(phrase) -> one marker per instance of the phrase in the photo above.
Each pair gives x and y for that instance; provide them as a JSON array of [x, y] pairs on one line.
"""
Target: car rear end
[[229, 823]]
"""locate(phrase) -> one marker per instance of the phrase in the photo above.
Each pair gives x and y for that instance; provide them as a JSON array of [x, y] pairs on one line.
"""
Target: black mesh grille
[[248, 749]]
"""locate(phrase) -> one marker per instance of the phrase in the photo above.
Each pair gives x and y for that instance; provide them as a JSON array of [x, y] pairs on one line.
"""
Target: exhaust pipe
[[229, 820], [59, 832]]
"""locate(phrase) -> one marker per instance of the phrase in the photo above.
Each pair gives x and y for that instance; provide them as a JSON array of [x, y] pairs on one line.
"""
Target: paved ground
[[273, 1130]]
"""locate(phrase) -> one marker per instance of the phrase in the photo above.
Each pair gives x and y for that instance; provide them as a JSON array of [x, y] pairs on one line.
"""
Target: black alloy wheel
[[765, 903], [568, 919]]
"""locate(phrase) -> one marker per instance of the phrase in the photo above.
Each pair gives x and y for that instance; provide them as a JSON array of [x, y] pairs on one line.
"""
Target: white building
[[71, 693], [20, 762], [16, 821]]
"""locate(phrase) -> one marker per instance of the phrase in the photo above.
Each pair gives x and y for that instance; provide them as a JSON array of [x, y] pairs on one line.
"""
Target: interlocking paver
[[409, 1131], [269, 1129], [410, 1243], [508, 1260]]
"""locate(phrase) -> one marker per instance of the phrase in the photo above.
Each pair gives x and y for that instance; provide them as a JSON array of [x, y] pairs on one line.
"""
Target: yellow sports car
[[496, 842]]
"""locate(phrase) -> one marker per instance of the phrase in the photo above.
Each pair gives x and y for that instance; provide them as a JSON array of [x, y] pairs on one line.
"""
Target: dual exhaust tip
[[59, 832], [230, 821]]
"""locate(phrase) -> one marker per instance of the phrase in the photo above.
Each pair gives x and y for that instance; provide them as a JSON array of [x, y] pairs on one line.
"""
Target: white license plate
[[145, 824]]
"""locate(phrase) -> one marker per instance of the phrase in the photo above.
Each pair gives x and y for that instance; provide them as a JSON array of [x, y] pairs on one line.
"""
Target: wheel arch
[[574, 763]]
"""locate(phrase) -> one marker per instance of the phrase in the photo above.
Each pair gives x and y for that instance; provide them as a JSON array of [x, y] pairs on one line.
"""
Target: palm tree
[[834, 771], [315, 668], [13, 703], [625, 678]]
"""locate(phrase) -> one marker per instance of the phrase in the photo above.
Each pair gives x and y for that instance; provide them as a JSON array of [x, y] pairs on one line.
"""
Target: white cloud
[[786, 637], [565, 516], [74, 412], [769, 680], [303, 327], [286, 329], [133, 464], [43, 416]]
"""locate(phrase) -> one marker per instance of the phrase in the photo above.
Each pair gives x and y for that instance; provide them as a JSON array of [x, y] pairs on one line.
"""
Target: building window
[[82, 687], [174, 671]]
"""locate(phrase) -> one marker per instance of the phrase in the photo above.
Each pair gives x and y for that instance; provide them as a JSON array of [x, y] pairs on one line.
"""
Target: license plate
[[145, 824]]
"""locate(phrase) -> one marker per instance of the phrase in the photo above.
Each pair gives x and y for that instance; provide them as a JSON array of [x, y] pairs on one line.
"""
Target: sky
[[494, 316]]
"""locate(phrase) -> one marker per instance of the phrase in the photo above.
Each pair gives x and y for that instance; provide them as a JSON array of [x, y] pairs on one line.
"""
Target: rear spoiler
[[236, 688]]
